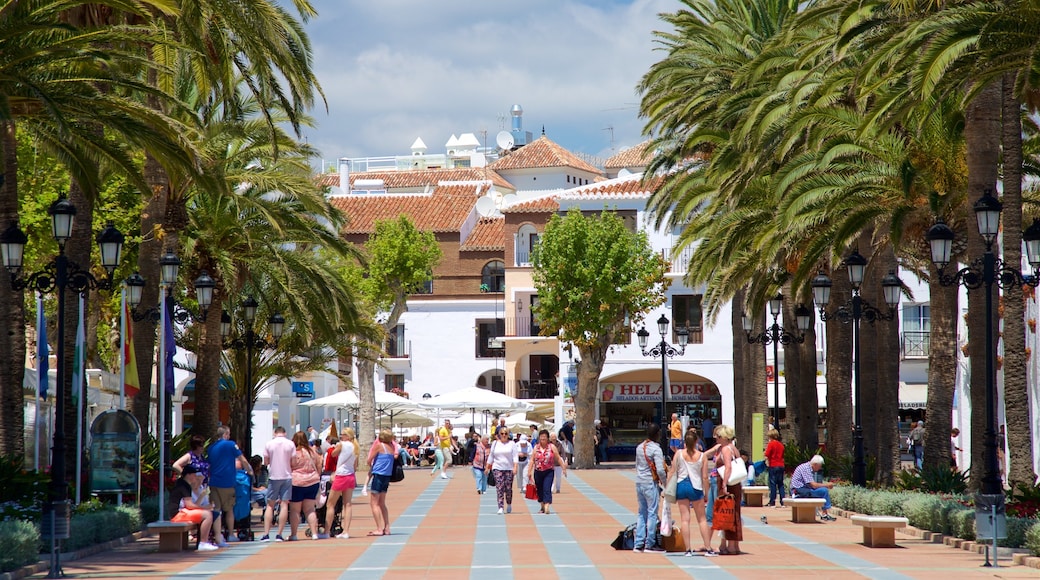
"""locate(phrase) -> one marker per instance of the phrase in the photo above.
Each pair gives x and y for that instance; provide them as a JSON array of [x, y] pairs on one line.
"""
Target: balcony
[[398, 349], [679, 262], [521, 325], [916, 344], [531, 389]]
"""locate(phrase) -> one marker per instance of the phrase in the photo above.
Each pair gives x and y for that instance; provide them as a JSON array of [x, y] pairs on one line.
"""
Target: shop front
[[631, 405]]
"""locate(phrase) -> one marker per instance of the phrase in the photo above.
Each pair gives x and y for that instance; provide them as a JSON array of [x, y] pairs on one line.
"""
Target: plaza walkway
[[443, 529]]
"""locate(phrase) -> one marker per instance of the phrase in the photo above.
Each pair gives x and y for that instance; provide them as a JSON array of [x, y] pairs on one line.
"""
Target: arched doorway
[[493, 380]]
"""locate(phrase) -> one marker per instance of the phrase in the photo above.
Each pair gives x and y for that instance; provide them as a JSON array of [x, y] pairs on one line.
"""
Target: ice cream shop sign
[[651, 392]]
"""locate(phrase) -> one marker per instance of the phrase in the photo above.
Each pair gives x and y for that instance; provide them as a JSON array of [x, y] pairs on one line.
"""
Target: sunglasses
[[503, 434]]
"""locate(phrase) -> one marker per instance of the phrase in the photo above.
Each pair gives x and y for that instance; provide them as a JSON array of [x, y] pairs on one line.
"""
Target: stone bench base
[[173, 536], [755, 495], [879, 531], [803, 509]]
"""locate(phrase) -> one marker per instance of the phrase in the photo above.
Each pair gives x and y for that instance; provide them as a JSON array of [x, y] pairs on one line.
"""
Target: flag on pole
[[170, 345], [78, 360], [42, 351], [131, 380]]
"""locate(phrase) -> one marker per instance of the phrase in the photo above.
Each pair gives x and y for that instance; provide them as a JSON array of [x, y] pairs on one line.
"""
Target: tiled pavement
[[443, 529]]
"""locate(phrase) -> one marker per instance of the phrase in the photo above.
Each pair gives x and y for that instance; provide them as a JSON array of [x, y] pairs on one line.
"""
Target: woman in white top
[[346, 453], [691, 470], [504, 459], [524, 448]]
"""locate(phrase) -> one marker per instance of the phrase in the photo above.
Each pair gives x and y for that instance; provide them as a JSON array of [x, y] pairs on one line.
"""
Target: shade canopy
[[386, 402], [476, 399]]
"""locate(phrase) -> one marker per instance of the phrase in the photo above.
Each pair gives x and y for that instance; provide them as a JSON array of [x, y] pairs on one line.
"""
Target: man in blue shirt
[[805, 482], [225, 458]]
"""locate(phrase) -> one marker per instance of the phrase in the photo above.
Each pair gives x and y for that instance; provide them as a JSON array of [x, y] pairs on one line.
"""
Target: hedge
[[21, 542], [945, 515], [100, 526]]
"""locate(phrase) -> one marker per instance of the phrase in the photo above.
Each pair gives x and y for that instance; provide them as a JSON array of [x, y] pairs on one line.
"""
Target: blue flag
[[42, 351], [171, 344], [79, 358]]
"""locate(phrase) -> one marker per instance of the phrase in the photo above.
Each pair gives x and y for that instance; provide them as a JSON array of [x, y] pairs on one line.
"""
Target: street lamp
[[777, 335], [852, 312], [665, 351], [58, 275], [250, 341], [169, 269], [986, 271]]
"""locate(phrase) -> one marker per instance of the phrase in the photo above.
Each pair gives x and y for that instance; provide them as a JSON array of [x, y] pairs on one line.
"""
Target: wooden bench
[[755, 495], [803, 509], [879, 531], [173, 536]]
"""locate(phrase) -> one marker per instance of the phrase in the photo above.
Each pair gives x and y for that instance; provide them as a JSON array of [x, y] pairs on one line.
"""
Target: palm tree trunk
[[982, 141], [12, 314], [839, 373], [1016, 388], [753, 397], [742, 359], [886, 400], [870, 357], [207, 384], [800, 382], [806, 374], [942, 370], [78, 250]]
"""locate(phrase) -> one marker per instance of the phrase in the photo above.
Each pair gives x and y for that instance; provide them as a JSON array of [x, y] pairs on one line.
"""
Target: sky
[[394, 70]]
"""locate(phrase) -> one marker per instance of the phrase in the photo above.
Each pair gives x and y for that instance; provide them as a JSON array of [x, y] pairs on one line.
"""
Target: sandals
[[375, 533]]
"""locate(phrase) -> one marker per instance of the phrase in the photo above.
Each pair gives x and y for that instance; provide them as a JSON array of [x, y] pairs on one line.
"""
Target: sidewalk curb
[[1018, 556], [44, 565]]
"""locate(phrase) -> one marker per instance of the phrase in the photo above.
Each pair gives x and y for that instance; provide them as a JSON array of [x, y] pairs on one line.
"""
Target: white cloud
[[394, 70]]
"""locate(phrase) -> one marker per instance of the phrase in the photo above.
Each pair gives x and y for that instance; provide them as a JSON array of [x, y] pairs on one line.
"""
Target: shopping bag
[[674, 542], [724, 514], [530, 492], [670, 488], [666, 519]]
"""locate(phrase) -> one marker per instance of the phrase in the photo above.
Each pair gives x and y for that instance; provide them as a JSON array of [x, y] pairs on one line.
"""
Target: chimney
[[344, 174]]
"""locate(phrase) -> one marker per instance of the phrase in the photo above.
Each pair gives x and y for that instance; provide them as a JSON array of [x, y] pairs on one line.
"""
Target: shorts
[[186, 515], [304, 493], [279, 490], [675, 443], [685, 490], [380, 483], [344, 482], [222, 498]]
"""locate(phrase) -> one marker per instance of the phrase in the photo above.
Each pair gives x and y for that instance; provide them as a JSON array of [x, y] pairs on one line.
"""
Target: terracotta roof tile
[[542, 153], [421, 177], [541, 205], [488, 235], [636, 156], [630, 186], [444, 210]]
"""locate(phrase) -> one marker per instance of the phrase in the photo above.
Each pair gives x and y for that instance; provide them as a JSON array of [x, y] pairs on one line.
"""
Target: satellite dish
[[504, 140], [624, 173], [508, 199], [485, 206]]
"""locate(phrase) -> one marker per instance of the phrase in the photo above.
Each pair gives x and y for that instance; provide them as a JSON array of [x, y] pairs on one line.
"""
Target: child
[[750, 472]]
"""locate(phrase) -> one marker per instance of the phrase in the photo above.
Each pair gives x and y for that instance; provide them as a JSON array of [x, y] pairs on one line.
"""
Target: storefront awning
[[913, 395]]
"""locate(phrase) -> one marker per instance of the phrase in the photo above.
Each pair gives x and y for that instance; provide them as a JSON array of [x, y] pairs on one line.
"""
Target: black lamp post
[[777, 335], [986, 271], [249, 341], [169, 269], [60, 274], [665, 351], [852, 312]]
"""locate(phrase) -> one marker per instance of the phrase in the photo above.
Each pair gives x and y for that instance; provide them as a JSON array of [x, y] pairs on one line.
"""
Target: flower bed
[[947, 515]]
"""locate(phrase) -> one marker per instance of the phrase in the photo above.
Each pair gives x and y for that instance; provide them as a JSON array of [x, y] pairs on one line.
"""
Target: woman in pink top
[[541, 469], [306, 474]]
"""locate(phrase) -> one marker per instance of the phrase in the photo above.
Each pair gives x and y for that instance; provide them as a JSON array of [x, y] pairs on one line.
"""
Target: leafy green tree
[[593, 275], [398, 260]]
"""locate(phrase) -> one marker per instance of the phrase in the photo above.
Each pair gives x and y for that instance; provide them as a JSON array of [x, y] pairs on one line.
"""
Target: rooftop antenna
[[543, 130], [611, 129], [501, 121]]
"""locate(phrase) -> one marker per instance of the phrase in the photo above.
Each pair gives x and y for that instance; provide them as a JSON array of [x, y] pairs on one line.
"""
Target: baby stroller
[[321, 507], [243, 505]]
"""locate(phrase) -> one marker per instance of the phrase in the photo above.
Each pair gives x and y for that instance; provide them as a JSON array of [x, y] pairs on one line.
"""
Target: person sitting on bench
[[808, 482], [186, 501]]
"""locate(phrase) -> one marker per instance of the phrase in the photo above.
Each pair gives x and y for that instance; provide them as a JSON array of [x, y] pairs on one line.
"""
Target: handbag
[[670, 488], [398, 473], [724, 514], [530, 492], [490, 469], [738, 472], [626, 539]]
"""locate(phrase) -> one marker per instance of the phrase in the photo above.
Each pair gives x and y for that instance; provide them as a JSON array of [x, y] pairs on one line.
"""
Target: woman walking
[[480, 457], [730, 544], [381, 458], [344, 481], [542, 470], [691, 472], [306, 474], [503, 460], [775, 465]]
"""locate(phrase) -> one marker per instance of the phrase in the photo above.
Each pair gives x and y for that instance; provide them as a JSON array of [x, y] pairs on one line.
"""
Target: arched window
[[493, 277]]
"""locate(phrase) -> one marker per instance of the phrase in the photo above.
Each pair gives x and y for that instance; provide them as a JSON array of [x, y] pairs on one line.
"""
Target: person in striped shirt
[[804, 483]]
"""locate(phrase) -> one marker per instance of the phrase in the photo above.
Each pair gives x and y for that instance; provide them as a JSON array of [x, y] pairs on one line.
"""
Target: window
[[525, 241], [493, 277], [426, 287], [396, 347], [686, 312], [489, 335], [391, 382], [917, 326]]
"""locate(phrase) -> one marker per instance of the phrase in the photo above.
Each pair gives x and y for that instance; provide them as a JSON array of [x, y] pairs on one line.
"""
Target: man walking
[[917, 444], [277, 454], [224, 460]]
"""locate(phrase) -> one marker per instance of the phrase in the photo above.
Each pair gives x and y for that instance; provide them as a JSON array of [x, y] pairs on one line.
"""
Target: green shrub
[[908, 480], [963, 523], [150, 510], [920, 509], [1033, 538], [130, 518], [942, 479], [886, 503], [21, 542], [95, 527], [1017, 528]]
